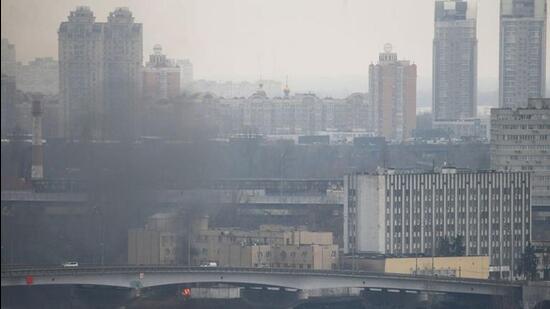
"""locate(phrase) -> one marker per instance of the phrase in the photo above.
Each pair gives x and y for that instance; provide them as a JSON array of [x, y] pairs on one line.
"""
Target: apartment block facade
[[522, 61], [520, 141], [161, 77], [392, 89], [454, 84], [100, 74]]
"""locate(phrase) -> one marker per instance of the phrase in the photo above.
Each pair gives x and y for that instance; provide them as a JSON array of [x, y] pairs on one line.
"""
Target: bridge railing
[[20, 270]]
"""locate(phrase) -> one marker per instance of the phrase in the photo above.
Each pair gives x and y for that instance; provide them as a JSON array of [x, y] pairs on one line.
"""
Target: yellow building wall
[[476, 267]]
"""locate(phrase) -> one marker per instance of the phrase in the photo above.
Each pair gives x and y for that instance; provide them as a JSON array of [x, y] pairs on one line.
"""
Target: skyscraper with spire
[[454, 84], [522, 51]]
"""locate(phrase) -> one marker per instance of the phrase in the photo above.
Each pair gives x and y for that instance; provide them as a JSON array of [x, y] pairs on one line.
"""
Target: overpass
[[223, 191]]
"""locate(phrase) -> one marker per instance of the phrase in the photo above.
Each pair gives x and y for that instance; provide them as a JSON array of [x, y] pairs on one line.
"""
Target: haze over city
[[275, 154], [323, 46]]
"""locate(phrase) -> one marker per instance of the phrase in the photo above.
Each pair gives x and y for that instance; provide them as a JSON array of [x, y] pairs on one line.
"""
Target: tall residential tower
[[123, 57], [454, 60], [392, 88], [522, 51], [100, 74]]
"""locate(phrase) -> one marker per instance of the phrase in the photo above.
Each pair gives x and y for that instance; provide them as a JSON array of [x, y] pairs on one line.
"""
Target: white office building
[[407, 213]]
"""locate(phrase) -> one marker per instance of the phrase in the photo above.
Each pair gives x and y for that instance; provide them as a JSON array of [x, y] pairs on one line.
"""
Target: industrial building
[[475, 267], [167, 240], [269, 246]]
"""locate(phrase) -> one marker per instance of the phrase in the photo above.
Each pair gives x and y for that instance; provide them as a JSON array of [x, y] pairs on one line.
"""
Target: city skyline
[[275, 154], [275, 46]]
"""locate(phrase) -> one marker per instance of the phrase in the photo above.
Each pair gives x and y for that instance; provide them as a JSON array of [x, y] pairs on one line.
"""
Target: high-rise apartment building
[[100, 73], [7, 101], [81, 74], [40, 75], [392, 88], [7, 104], [522, 51], [454, 83], [123, 57], [8, 58], [161, 77], [520, 141], [186, 73], [408, 213]]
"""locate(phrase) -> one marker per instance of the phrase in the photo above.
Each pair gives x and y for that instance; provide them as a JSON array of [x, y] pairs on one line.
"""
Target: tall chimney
[[37, 168]]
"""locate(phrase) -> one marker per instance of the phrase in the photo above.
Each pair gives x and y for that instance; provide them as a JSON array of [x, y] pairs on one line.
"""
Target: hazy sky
[[317, 40]]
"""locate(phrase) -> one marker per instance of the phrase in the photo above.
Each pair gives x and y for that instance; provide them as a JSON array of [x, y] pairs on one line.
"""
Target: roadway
[[297, 279]]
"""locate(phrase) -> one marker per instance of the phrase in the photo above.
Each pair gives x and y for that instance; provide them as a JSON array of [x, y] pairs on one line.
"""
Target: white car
[[210, 264], [70, 264]]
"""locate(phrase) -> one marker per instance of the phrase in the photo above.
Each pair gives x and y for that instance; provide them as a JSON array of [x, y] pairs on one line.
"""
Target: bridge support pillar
[[535, 294]]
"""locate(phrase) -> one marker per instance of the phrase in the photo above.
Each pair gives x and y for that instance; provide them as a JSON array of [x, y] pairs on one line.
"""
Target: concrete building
[[7, 103], [159, 242], [22, 120], [8, 87], [166, 239], [100, 74], [186, 74], [476, 267], [304, 114], [81, 74], [161, 77], [454, 84], [143, 247], [40, 75], [244, 89], [123, 57], [522, 51], [392, 88], [270, 246], [473, 128], [405, 213], [520, 141], [8, 58]]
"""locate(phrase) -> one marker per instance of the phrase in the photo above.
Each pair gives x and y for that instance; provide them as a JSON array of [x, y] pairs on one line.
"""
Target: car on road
[[70, 264], [210, 264]]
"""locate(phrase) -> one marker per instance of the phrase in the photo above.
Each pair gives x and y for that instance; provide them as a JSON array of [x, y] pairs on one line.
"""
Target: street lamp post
[[188, 249], [416, 264], [102, 253], [433, 254]]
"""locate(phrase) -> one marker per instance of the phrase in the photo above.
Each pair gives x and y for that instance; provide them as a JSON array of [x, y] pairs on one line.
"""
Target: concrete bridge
[[142, 277], [148, 276]]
